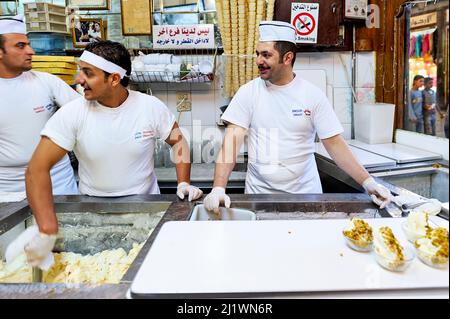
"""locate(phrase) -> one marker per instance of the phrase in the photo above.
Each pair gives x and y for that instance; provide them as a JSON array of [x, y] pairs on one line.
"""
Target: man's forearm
[[232, 142], [182, 161], [222, 173], [40, 198], [344, 158]]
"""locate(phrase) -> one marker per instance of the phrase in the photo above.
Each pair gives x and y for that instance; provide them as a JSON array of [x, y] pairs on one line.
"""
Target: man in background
[[28, 100], [429, 107], [415, 105]]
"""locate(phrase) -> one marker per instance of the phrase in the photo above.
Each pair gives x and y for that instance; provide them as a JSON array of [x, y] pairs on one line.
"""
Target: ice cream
[[417, 223], [359, 232], [433, 248], [387, 248], [106, 267]]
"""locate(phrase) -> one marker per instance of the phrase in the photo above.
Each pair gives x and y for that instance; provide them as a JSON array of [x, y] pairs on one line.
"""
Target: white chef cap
[[13, 25], [276, 31]]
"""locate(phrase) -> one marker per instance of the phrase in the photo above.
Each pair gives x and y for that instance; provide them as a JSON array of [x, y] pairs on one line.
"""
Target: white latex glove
[[37, 246], [185, 189], [215, 198], [380, 195]]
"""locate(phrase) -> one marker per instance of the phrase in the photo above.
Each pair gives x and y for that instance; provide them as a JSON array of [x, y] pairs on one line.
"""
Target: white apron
[[295, 176]]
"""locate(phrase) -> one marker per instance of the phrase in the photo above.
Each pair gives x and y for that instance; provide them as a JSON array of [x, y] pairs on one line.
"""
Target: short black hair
[[113, 52], [418, 77], [427, 80], [2, 43], [284, 47]]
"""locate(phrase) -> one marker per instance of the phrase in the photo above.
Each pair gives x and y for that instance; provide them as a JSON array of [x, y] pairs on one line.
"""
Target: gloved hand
[[215, 198], [380, 195], [39, 249], [185, 189], [37, 246]]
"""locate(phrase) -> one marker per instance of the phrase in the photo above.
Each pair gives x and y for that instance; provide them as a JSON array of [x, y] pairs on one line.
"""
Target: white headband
[[102, 63]]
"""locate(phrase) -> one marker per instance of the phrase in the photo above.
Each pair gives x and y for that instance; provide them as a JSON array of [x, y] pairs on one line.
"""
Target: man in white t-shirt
[[112, 131], [28, 100], [282, 114]]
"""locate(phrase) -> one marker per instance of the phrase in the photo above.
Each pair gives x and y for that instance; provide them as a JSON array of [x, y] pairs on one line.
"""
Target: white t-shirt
[[114, 146], [282, 123], [26, 104]]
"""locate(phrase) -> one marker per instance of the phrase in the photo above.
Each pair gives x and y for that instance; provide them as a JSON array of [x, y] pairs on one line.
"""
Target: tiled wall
[[207, 98]]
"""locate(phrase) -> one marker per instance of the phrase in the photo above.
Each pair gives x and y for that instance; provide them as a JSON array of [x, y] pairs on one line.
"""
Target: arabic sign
[[423, 20], [305, 19], [200, 36]]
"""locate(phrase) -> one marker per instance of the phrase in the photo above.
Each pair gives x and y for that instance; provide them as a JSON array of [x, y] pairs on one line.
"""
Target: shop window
[[427, 91]]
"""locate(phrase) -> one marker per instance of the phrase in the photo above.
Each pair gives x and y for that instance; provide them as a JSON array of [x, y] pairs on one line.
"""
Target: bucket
[[374, 122]]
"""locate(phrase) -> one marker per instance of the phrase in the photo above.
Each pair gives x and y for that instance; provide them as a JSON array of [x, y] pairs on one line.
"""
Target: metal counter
[[266, 207]]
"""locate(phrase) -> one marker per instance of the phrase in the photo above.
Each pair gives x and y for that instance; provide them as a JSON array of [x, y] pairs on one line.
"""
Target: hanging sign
[[200, 36], [305, 19], [356, 9], [423, 20]]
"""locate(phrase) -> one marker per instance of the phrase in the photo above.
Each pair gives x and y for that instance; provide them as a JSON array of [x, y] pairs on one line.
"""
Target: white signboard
[[356, 9], [200, 36], [305, 19]]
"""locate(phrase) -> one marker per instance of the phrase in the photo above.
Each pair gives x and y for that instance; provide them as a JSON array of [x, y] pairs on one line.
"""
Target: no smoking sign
[[304, 23], [304, 17]]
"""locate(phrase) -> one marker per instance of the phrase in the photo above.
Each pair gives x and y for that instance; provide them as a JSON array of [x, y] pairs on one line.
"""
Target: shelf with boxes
[[45, 17], [177, 66]]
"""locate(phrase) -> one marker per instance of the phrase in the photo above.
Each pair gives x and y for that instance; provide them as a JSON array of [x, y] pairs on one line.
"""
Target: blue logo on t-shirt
[[143, 135], [297, 112], [50, 107], [301, 112]]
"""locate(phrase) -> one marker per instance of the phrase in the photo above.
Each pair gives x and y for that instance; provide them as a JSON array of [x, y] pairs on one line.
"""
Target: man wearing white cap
[[112, 131], [282, 114], [28, 100]]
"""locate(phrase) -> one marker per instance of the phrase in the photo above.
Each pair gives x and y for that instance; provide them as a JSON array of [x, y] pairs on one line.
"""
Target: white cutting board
[[366, 159], [399, 153], [270, 256]]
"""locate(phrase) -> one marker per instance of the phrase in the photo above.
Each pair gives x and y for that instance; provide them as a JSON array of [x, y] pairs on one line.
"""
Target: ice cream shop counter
[[291, 245]]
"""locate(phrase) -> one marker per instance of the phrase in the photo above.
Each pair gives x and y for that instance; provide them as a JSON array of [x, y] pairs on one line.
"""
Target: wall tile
[[162, 95], [302, 60], [204, 107], [330, 95], [365, 70], [342, 104], [323, 61], [347, 135], [342, 73]]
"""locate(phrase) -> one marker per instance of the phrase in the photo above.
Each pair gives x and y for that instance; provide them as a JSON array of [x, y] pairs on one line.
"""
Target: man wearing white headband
[[28, 100], [282, 114], [112, 131]]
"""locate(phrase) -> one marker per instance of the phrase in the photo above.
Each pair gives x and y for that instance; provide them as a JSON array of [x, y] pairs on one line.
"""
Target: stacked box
[[64, 67], [43, 6], [45, 17]]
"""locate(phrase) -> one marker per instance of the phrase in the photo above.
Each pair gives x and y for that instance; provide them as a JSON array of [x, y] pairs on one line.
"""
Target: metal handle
[[36, 274], [411, 206]]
